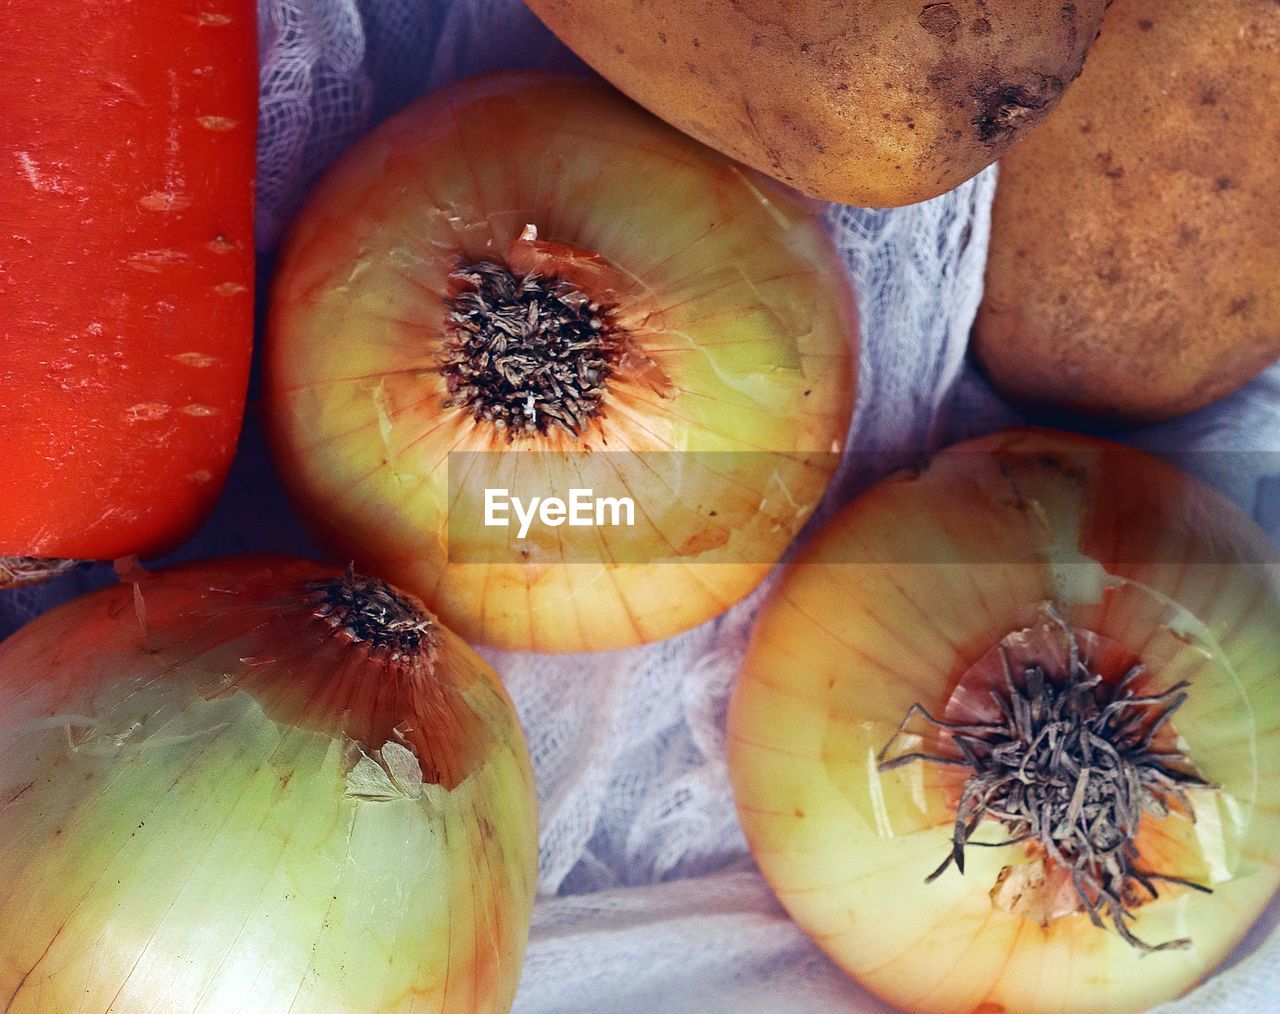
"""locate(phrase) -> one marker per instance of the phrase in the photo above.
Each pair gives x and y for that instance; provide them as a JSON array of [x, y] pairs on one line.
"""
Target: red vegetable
[[126, 268]]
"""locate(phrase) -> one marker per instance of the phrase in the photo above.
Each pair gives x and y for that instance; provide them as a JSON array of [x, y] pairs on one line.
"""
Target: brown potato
[[869, 102], [1135, 247]]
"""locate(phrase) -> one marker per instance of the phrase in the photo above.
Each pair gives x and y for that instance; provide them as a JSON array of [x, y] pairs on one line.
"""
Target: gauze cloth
[[648, 897]]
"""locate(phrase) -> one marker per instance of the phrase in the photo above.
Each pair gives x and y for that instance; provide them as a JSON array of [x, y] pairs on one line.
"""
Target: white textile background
[[649, 900]]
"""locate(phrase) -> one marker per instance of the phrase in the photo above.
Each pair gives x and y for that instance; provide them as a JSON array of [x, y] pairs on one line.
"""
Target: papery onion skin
[[727, 284], [194, 816], [24, 570], [844, 648]]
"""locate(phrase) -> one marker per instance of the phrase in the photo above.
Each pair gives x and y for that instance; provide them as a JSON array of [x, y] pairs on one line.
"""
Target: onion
[[673, 309], [258, 784], [1029, 580]]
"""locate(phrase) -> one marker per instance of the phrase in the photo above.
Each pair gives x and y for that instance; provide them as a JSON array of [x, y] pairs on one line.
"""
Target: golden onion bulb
[[527, 283], [1039, 672], [258, 784]]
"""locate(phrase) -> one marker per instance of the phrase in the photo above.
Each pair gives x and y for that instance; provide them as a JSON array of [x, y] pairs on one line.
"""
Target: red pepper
[[127, 134]]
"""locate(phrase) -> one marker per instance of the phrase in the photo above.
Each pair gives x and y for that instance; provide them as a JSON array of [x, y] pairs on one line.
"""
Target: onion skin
[[729, 286], [183, 824], [16, 571], [871, 619]]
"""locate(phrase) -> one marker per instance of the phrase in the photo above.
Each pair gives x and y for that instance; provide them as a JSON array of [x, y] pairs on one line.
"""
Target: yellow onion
[[710, 374], [1065, 586], [258, 784]]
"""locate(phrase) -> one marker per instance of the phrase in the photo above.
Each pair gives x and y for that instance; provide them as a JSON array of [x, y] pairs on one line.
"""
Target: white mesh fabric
[[315, 99], [329, 67], [649, 900]]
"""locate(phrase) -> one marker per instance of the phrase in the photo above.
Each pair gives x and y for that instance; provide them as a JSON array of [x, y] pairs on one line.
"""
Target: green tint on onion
[[258, 785]]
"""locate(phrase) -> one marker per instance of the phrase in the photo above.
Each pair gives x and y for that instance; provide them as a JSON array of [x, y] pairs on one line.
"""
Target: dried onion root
[[1007, 736], [525, 283], [258, 784]]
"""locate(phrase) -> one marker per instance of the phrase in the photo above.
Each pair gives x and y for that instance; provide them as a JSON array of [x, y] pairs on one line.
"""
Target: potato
[[870, 102], [1135, 248]]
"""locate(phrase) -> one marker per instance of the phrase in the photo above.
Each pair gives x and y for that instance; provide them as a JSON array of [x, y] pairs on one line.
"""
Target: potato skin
[[1134, 271], [868, 102]]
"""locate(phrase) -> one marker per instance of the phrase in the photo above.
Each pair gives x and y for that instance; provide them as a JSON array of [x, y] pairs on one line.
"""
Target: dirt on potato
[[864, 102], [1134, 270]]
